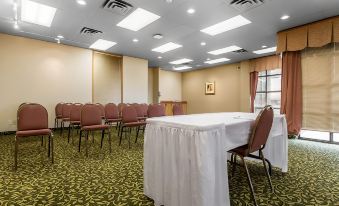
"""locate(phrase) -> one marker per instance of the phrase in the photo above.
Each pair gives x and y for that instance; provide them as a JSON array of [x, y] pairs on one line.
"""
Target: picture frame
[[210, 88]]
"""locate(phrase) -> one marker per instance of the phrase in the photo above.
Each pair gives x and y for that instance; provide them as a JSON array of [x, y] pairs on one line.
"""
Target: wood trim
[[113, 55]]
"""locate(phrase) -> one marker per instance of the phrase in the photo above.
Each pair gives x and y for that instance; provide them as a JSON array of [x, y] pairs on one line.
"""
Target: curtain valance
[[265, 63], [316, 34]]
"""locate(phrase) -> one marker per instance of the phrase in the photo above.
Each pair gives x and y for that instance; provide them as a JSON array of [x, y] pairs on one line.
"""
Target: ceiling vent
[[89, 31], [245, 5], [240, 51], [118, 6]]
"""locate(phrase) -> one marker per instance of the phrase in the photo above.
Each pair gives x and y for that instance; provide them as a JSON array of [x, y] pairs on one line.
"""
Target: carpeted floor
[[117, 178]]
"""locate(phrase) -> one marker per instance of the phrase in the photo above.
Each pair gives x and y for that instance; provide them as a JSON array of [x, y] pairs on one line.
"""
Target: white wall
[[42, 72], [135, 80], [170, 85]]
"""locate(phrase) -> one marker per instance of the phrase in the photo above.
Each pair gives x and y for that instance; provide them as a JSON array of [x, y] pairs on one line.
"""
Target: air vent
[[118, 6], [89, 31], [240, 51], [245, 5]]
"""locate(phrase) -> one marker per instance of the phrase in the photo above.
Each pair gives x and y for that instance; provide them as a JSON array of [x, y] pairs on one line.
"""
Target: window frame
[[266, 76]]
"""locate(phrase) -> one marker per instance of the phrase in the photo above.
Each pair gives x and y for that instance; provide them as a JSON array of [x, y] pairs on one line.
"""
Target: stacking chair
[[66, 112], [156, 110], [140, 112], [112, 115], [91, 121], [177, 109], [129, 121], [144, 109], [102, 110], [257, 141], [32, 120], [74, 119], [58, 114], [120, 106]]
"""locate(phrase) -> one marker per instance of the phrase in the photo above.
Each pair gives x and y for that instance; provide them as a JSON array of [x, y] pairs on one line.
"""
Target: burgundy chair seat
[[142, 118], [38, 132], [113, 120], [134, 124], [75, 122], [66, 119], [242, 150], [59, 117], [95, 127]]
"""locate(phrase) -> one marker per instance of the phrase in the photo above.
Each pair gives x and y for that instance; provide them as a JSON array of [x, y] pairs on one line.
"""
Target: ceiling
[[175, 25]]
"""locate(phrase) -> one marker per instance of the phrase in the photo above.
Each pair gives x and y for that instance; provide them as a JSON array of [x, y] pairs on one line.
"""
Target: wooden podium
[[169, 106]]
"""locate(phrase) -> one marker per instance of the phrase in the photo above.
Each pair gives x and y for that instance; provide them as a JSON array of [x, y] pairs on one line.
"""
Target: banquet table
[[185, 156]]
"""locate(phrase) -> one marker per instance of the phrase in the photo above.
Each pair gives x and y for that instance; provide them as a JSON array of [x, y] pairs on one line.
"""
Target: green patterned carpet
[[117, 178]]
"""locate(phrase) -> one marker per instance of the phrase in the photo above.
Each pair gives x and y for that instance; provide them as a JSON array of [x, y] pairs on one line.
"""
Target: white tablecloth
[[185, 156]]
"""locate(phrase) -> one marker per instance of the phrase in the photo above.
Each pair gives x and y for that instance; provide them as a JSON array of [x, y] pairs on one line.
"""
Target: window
[[315, 135], [268, 90]]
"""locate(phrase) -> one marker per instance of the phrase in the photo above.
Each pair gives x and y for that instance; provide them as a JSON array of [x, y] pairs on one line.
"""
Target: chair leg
[[52, 148], [42, 141], [120, 134], [102, 137], [80, 139], [49, 146], [249, 181], [62, 127], [69, 131], [266, 171], [109, 141], [234, 163], [16, 147], [129, 138], [136, 137], [92, 136], [86, 143]]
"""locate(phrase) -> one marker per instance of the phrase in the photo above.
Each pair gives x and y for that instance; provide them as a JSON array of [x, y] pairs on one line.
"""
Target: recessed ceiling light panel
[[167, 47], [82, 2], [191, 11], [138, 19], [37, 13], [284, 17], [225, 50], [103, 45], [215, 61], [229, 24], [182, 68], [264, 51], [181, 61]]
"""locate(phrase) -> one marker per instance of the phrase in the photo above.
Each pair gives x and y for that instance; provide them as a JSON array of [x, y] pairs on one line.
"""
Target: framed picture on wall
[[209, 88]]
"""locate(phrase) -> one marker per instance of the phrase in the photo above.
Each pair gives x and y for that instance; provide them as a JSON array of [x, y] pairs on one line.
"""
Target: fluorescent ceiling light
[[182, 68], [81, 2], [225, 50], [138, 19], [284, 17], [37, 13], [181, 61], [167, 47], [103, 45], [226, 25], [264, 51], [214, 61]]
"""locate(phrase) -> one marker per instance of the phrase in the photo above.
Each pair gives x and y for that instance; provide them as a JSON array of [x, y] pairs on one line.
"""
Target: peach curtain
[[316, 34], [291, 91], [253, 87], [265, 63]]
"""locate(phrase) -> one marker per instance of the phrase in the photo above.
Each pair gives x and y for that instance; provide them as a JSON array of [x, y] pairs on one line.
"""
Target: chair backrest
[[66, 110], [261, 129], [31, 116], [140, 110], [129, 114], [90, 115], [102, 110], [156, 110], [145, 108], [111, 111], [75, 112], [58, 109], [120, 106], [177, 109]]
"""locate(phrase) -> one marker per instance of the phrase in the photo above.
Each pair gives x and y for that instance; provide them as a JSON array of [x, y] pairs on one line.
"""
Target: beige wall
[[230, 87], [42, 72], [106, 78], [170, 86], [135, 80]]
